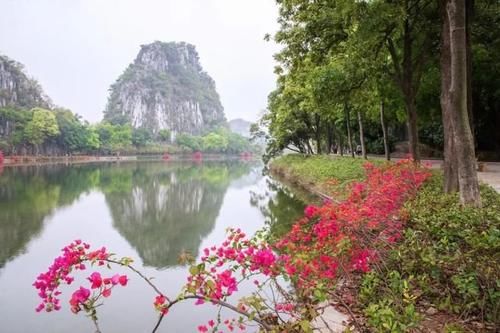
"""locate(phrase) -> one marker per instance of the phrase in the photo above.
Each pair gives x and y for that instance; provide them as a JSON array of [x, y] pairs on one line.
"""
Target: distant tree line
[[60, 132]]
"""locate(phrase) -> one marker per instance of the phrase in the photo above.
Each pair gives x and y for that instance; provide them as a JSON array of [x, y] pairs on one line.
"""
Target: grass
[[324, 174]]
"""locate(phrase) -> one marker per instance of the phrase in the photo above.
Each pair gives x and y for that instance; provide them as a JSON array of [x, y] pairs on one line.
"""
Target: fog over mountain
[[76, 49]]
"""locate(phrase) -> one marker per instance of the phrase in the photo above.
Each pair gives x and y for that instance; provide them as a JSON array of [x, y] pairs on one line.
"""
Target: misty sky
[[77, 48]]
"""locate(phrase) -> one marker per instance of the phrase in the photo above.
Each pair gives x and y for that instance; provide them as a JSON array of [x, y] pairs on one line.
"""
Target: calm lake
[[149, 210]]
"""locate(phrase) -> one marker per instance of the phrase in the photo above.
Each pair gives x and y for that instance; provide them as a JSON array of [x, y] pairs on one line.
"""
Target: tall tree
[[459, 144], [42, 126]]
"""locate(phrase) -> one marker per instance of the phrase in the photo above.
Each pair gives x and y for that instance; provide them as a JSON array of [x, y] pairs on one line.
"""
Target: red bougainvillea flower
[[202, 328], [122, 280], [310, 211], [96, 280], [160, 305]]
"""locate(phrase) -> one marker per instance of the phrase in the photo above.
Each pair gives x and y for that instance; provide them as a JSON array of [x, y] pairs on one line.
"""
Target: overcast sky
[[77, 48]]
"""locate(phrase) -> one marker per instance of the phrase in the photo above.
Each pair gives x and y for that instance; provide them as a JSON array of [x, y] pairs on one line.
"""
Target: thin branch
[[97, 329], [221, 303], [351, 314], [158, 323], [138, 273]]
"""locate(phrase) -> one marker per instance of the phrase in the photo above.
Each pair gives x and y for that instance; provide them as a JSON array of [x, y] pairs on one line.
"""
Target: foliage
[[214, 142], [465, 241], [194, 143], [218, 141], [164, 135], [42, 126], [445, 258], [73, 133], [114, 137], [391, 303], [352, 56], [141, 137], [93, 142], [121, 137]]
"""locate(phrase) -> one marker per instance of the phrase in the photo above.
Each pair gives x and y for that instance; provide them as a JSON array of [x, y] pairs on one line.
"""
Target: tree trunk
[[348, 125], [361, 135], [468, 19], [450, 162], [496, 108], [409, 92], [317, 133], [330, 137], [411, 112], [462, 138], [309, 148], [384, 131], [341, 144]]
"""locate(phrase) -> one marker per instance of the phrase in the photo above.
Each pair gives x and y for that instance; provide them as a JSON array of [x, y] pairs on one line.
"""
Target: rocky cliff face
[[165, 88], [16, 89]]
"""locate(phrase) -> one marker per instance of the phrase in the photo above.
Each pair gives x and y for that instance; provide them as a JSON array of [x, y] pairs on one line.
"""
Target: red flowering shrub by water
[[332, 240], [339, 238], [1, 157]]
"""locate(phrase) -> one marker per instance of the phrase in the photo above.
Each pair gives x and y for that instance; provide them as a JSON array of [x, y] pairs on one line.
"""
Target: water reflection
[[27, 196], [280, 206], [161, 209], [163, 212], [149, 211]]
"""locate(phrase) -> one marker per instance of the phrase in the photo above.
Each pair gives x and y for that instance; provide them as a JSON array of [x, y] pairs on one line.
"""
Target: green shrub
[[390, 301], [450, 254]]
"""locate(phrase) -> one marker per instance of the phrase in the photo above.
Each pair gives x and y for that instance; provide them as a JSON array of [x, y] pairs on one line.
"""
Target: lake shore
[[23, 160]]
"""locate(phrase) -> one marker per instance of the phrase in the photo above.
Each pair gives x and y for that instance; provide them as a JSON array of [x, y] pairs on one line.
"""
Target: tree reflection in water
[[161, 209]]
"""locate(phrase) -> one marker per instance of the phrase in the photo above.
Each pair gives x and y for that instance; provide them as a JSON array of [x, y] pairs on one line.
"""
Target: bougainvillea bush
[[330, 241]]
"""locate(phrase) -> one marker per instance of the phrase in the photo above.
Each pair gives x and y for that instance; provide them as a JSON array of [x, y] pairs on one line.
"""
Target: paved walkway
[[490, 174]]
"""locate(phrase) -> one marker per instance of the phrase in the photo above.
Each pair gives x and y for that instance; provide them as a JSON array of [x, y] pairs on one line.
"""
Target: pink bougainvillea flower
[[115, 279], [80, 296], [96, 280]]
